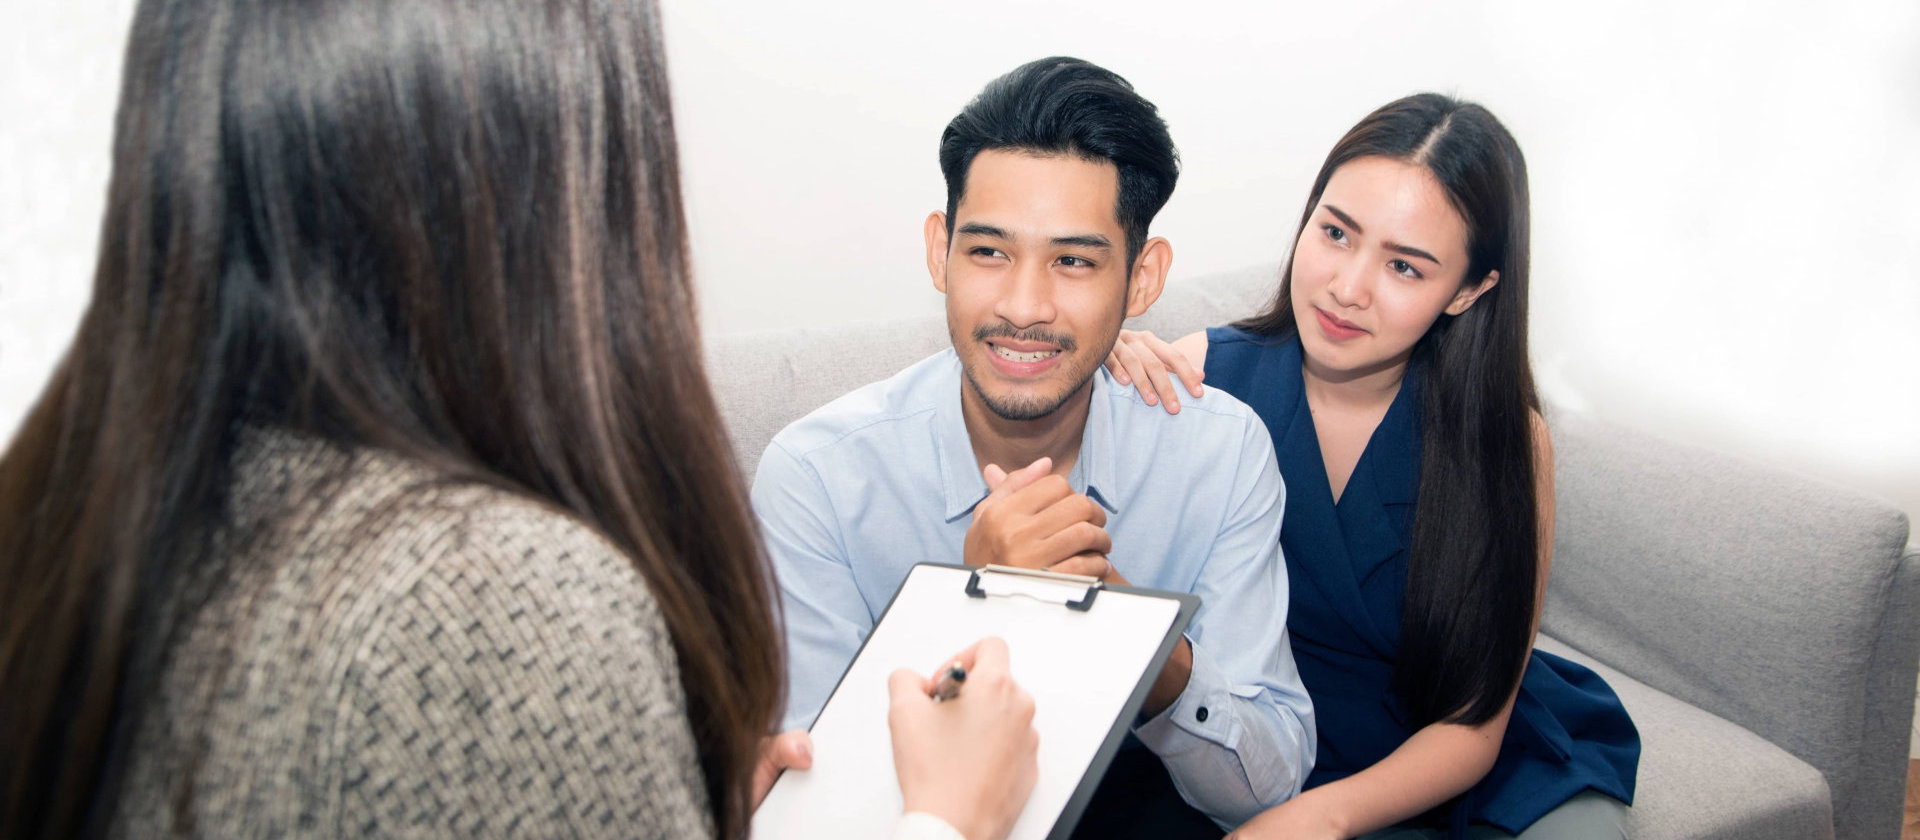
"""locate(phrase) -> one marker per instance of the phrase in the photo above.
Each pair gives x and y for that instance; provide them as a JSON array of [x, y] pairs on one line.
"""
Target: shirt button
[[1201, 714]]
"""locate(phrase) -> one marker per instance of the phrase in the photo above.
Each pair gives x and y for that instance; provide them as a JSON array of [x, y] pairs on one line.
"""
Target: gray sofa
[[1762, 628]]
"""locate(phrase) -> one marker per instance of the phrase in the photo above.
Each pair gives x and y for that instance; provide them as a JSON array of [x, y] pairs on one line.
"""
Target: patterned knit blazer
[[380, 650]]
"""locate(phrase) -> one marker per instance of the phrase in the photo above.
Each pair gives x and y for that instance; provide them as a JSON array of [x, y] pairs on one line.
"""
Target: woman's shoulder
[[477, 647], [1231, 334], [1247, 363], [382, 521]]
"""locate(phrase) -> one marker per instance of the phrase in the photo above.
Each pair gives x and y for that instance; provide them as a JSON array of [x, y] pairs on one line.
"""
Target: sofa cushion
[[1703, 778], [1755, 594]]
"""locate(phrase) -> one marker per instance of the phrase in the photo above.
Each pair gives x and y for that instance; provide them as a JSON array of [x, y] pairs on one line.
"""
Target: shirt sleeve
[[1240, 738], [824, 614]]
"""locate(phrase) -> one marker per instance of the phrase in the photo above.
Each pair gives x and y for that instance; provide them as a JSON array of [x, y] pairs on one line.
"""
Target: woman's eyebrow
[[1395, 247], [1411, 251]]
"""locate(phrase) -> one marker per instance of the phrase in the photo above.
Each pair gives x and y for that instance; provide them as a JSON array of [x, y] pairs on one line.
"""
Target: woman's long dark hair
[[449, 229], [1467, 624]]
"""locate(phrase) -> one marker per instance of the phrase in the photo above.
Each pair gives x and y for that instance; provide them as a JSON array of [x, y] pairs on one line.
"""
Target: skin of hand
[[1173, 677], [1033, 519], [791, 749], [1142, 359], [972, 760], [1304, 817]]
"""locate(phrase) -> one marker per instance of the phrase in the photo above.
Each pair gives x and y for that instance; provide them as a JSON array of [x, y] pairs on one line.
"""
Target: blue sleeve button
[[1201, 714]]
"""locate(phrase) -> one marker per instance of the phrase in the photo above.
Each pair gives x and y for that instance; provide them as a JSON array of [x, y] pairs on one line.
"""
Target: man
[[1016, 447]]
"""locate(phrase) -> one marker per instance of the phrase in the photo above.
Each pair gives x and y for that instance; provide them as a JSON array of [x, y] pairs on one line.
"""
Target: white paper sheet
[[1080, 667]]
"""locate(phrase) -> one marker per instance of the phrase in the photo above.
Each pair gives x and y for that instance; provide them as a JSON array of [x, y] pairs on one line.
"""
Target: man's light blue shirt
[[851, 496]]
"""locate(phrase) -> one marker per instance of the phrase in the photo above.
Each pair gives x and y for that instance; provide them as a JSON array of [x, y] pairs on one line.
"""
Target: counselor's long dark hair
[[1466, 627], [445, 228]]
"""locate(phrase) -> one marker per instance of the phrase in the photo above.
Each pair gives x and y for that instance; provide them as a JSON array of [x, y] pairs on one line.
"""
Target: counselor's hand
[[972, 760], [1033, 519], [777, 753]]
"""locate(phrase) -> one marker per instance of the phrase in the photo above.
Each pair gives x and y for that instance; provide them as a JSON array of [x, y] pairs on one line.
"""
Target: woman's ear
[[1463, 299]]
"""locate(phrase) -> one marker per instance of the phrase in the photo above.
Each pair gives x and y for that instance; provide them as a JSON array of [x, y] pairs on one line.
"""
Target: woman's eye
[[1404, 268], [1335, 233]]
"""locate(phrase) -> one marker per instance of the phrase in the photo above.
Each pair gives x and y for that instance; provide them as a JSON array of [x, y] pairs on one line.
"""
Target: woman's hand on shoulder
[[1142, 359]]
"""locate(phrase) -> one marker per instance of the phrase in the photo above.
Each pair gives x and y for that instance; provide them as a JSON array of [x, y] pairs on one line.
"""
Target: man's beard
[[1024, 407]]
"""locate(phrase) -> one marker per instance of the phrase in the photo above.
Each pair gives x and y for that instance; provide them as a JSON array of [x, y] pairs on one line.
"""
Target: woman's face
[[1383, 254]]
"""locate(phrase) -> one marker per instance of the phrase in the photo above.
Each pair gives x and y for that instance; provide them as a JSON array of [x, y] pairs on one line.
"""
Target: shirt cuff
[[920, 825], [1203, 710]]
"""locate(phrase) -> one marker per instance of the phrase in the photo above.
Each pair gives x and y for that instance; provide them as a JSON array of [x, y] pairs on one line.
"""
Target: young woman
[[378, 493], [1391, 369]]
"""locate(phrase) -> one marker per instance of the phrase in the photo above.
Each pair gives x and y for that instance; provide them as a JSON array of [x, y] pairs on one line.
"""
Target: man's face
[[1035, 277]]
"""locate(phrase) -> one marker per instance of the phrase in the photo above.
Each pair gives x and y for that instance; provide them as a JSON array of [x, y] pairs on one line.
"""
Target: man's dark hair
[[1066, 106]]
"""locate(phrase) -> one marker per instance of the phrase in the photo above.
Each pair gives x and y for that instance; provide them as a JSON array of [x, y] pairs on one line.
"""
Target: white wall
[[1726, 196]]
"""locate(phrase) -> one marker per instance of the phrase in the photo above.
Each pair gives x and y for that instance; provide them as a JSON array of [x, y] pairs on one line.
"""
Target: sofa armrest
[[1777, 602]]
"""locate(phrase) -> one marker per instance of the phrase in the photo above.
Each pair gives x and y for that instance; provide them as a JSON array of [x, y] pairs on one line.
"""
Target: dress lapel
[[1318, 555], [1376, 508]]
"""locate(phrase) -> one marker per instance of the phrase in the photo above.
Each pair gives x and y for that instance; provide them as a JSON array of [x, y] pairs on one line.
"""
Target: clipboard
[[1087, 652]]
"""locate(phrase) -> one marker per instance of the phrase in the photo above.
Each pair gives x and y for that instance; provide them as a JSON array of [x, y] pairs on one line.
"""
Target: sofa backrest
[[1773, 600]]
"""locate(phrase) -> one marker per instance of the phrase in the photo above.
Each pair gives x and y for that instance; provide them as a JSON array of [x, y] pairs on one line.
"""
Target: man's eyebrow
[[978, 229], [1085, 240], [1395, 247]]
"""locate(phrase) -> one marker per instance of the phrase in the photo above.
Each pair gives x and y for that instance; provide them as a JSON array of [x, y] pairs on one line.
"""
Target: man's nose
[[1028, 296]]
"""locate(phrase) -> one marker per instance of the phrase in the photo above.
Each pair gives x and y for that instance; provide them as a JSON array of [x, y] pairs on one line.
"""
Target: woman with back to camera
[[378, 493], [1391, 369]]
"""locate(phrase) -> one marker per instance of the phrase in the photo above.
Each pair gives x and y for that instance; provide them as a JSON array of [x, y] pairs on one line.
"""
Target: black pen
[[948, 686]]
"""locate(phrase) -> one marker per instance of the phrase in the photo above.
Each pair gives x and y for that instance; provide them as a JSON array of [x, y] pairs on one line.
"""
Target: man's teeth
[[1013, 356]]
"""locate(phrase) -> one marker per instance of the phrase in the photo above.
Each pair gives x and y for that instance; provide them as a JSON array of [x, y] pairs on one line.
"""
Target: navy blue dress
[[1347, 568]]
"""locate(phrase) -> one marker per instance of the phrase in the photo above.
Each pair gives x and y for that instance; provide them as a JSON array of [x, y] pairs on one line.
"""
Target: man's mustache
[[1005, 330]]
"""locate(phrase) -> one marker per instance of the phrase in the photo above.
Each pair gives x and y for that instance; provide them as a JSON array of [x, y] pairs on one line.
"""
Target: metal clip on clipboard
[[1093, 585]]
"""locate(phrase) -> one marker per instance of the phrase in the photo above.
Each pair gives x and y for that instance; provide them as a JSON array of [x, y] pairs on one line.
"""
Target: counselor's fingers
[[905, 685], [793, 748], [989, 656]]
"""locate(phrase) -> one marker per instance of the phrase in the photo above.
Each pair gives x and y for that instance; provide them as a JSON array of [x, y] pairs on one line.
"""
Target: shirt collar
[[965, 487]]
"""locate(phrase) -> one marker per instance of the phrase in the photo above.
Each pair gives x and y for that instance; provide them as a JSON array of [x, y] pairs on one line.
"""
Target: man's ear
[[1149, 276], [936, 233], [1463, 299]]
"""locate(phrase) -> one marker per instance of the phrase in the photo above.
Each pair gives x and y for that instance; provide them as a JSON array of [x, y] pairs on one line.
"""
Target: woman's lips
[[1335, 329]]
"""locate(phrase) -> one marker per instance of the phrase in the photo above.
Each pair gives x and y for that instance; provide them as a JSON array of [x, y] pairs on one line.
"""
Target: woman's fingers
[[1145, 359], [1172, 358]]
